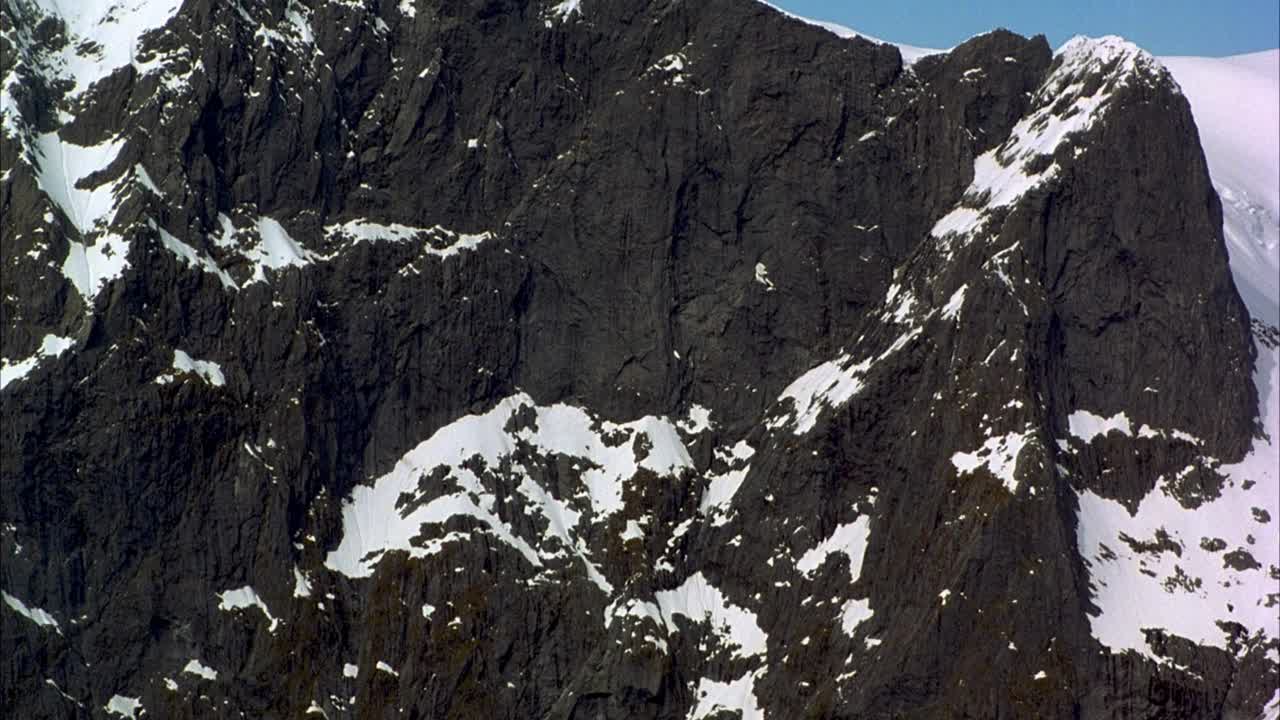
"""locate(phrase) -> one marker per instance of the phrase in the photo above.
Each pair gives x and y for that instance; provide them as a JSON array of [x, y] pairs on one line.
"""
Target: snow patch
[[195, 667], [34, 614], [275, 249], [243, 598], [850, 539], [717, 499], [1139, 581], [565, 8], [375, 521], [438, 241], [999, 455], [762, 277], [830, 384], [123, 706], [52, 346], [737, 696], [301, 585], [833, 383], [697, 420], [853, 613], [632, 531], [951, 310], [699, 601], [1086, 426], [207, 370]]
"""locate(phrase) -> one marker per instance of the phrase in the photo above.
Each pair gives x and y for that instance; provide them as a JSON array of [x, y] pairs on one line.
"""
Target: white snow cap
[[910, 53], [1236, 105]]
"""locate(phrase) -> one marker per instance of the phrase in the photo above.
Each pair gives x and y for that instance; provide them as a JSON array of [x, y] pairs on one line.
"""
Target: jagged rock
[[513, 359]]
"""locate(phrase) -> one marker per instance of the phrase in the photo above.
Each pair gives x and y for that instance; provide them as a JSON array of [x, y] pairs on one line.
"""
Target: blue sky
[[1164, 27]]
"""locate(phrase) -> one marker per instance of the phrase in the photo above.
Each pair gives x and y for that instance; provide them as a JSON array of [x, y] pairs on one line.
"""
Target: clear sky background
[[1163, 27]]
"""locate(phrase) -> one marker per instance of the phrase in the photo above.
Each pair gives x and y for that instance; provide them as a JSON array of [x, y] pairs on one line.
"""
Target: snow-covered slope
[[910, 53], [1236, 103]]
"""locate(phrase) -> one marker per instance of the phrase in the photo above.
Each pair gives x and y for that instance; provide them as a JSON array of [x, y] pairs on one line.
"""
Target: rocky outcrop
[[510, 359]]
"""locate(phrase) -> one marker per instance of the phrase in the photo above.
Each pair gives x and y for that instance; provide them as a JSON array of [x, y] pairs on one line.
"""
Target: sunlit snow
[[244, 598], [910, 53], [999, 455], [446, 243], [1003, 175], [1139, 581], [1236, 104], [50, 347], [700, 601], [34, 614], [1086, 425], [195, 667], [713, 697], [123, 706], [374, 521], [850, 539]]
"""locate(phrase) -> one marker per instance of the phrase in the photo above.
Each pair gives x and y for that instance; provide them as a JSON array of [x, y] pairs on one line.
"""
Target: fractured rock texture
[[508, 359]]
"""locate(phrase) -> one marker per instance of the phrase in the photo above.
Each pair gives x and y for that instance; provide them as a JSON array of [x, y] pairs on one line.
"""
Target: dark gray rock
[[629, 199]]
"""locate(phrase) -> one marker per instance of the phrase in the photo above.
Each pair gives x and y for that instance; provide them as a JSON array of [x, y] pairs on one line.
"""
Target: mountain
[[604, 359], [1242, 148]]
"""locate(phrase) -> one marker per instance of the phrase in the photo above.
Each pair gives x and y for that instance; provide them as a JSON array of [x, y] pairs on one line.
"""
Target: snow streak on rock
[[440, 242], [717, 499], [835, 382], [34, 614], [1069, 101]]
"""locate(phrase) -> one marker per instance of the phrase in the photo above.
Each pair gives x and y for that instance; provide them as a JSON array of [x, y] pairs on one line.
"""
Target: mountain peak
[[426, 359]]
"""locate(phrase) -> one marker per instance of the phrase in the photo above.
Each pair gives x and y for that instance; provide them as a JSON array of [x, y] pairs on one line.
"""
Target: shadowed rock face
[[645, 360]]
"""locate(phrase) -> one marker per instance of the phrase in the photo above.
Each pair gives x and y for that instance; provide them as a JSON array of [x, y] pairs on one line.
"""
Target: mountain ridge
[[623, 393]]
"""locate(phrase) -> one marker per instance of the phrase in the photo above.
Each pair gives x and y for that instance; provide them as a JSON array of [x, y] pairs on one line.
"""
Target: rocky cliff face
[[624, 359]]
